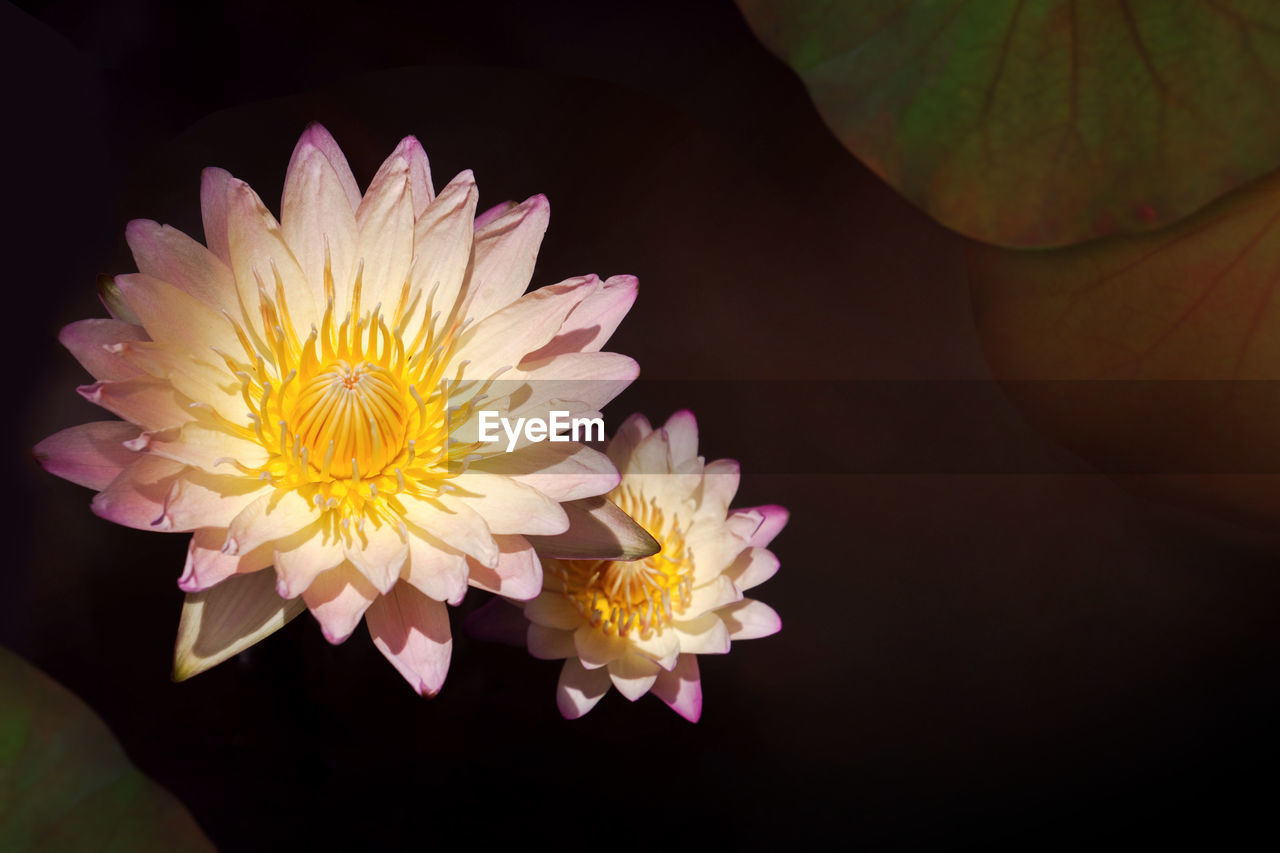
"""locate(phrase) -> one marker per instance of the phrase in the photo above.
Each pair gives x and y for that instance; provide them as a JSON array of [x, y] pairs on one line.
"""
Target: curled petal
[[94, 343], [438, 571], [135, 498], [300, 557], [379, 552], [207, 565], [594, 321]]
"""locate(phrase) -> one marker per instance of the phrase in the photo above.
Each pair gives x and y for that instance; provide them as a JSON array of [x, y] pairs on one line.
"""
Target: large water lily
[[303, 395]]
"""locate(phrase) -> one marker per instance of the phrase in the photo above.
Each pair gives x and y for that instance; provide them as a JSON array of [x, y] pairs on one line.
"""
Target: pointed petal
[[507, 334], [589, 326], [338, 598], [598, 530], [214, 186], [419, 173], [772, 518], [206, 564], [316, 217], [662, 647], [91, 454], [712, 596], [200, 499], [752, 567], [592, 378], [580, 689], [517, 573], [682, 439], [442, 239], [505, 251], [633, 675], [166, 254], [150, 403], [749, 619], [719, 485], [457, 525], [497, 621], [385, 244], [92, 342], [260, 258], [681, 688], [500, 209], [316, 137], [412, 630], [227, 619], [206, 446]]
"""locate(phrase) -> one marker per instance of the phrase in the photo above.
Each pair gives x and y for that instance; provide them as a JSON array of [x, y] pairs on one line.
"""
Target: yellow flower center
[[620, 597], [359, 411]]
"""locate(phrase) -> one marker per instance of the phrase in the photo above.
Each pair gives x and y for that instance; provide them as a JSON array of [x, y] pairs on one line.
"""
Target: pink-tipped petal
[[580, 689], [517, 574], [338, 598], [385, 245], [200, 499], [438, 571], [772, 519], [135, 498], [505, 335], [226, 619], [316, 137], [550, 643], [633, 675], [749, 619], [681, 688], [497, 621], [165, 253], [594, 321], [419, 172], [500, 209], [592, 378], [412, 630], [300, 557], [442, 245], [94, 344], [207, 565], [262, 260], [505, 250], [753, 567], [317, 219], [91, 454], [563, 471], [598, 530]]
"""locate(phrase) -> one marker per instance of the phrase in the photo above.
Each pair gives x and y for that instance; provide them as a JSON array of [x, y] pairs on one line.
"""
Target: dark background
[[1014, 655]]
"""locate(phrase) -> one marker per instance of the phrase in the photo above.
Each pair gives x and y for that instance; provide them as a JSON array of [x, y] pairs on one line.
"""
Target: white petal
[[437, 570], [633, 675], [704, 635], [752, 567], [563, 471], [681, 688], [227, 619], [457, 525], [506, 505], [385, 220], [750, 619], [580, 689], [273, 516], [379, 551], [517, 573], [505, 250], [338, 598], [596, 649]]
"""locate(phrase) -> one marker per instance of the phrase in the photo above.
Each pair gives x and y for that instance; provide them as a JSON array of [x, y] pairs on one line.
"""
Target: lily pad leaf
[[65, 783], [1154, 356], [1042, 122]]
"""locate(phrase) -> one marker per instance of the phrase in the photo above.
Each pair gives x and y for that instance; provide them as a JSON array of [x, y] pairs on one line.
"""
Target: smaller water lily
[[639, 625]]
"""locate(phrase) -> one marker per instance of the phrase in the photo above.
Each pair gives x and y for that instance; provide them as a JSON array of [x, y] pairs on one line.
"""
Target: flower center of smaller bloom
[[351, 418], [620, 597]]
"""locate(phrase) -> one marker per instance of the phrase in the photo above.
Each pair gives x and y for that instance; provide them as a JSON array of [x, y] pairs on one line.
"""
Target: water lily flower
[[639, 625], [302, 395]]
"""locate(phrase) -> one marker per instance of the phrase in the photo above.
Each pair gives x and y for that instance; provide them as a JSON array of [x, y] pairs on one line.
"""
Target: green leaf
[[65, 783], [1169, 344], [1042, 122]]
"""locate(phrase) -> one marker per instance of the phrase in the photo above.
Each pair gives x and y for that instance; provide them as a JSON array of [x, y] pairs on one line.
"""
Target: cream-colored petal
[[633, 675], [207, 446], [166, 254], [752, 567], [749, 619], [681, 688], [504, 337], [552, 610], [379, 552], [419, 172], [215, 185], [505, 251], [719, 485], [261, 260], [436, 569], [317, 138], [507, 506], [711, 596], [442, 247], [275, 515], [563, 471], [629, 435], [148, 402], [457, 525], [517, 573], [682, 439], [338, 598], [227, 619], [318, 222], [201, 499], [589, 326], [300, 557], [579, 689], [385, 243], [662, 647], [703, 635]]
